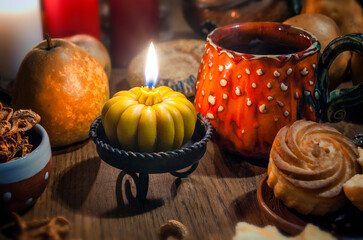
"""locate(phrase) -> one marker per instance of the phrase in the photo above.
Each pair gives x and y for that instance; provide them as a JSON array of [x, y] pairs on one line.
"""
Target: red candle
[[69, 17], [133, 24]]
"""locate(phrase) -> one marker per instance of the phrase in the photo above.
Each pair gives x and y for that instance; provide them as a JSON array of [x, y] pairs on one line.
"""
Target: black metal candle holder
[[156, 162]]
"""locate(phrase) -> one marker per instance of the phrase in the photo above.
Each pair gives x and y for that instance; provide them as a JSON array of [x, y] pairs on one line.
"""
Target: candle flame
[[151, 68]]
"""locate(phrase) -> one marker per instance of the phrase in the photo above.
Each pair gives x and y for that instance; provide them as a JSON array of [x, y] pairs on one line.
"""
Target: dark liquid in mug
[[260, 47]]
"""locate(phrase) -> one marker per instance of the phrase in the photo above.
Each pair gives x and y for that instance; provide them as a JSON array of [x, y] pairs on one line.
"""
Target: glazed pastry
[[245, 231], [309, 163], [353, 189]]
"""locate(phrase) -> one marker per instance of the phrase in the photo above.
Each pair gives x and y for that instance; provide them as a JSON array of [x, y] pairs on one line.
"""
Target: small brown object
[[316, 150], [13, 142], [348, 15], [5, 113], [326, 30], [49, 40], [61, 225], [57, 228], [5, 126], [173, 229]]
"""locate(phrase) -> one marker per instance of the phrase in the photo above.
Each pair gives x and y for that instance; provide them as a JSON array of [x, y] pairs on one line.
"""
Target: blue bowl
[[24, 179]]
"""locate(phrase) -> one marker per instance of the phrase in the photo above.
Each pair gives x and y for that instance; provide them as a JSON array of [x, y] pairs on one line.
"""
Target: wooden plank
[[90, 193]]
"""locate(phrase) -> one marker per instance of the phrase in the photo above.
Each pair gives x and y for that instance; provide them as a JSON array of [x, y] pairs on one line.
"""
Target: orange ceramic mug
[[254, 79]]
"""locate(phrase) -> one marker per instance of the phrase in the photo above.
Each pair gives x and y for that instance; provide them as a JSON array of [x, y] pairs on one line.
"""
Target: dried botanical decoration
[[57, 228], [173, 229], [13, 142], [5, 113]]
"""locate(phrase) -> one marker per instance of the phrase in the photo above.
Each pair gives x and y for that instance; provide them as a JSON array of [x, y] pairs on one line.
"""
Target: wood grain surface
[[102, 205], [100, 200]]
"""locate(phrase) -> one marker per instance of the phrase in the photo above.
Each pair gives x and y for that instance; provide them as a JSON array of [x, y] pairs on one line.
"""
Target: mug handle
[[339, 104]]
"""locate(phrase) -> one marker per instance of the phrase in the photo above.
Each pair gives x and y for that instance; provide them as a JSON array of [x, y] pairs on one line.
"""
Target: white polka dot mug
[[255, 78]]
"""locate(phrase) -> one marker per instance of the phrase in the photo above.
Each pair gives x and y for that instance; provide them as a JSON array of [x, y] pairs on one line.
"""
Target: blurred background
[[126, 27]]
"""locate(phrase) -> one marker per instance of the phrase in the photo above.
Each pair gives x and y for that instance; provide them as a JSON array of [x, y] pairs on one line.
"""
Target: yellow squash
[[148, 120]]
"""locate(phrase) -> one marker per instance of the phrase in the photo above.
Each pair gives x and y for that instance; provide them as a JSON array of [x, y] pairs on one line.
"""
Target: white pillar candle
[[20, 30]]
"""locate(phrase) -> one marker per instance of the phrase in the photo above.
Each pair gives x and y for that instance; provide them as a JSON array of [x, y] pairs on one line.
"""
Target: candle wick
[[49, 41]]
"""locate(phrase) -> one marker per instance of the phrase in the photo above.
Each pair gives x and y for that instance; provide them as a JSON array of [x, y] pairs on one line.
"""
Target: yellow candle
[[149, 96], [148, 119]]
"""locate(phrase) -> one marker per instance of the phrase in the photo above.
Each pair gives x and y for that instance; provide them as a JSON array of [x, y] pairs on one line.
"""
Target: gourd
[[65, 85], [326, 30], [348, 14], [148, 120], [94, 47]]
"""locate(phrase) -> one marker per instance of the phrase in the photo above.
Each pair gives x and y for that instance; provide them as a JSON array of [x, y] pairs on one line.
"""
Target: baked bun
[[179, 61], [353, 189], [309, 163]]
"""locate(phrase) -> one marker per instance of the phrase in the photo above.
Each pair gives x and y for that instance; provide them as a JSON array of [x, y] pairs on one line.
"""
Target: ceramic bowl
[[24, 179]]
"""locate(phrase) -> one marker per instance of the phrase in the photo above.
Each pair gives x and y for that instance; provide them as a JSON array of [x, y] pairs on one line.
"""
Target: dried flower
[[13, 142], [57, 228]]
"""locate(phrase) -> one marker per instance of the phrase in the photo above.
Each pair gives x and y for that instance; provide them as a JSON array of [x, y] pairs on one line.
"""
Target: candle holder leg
[[141, 181], [142, 186], [187, 172]]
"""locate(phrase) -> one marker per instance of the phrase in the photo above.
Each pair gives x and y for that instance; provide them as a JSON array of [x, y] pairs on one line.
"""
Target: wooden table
[[90, 193]]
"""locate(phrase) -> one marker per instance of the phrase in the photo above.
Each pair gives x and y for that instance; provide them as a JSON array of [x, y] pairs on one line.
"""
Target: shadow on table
[[247, 209], [128, 204], [75, 184], [89, 189], [220, 163], [243, 166]]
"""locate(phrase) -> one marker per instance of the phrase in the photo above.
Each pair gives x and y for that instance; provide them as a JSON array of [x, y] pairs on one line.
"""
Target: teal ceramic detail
[[340, 104]]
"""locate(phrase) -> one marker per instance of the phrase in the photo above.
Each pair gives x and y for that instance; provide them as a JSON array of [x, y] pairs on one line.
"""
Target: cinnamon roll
[[309, 163]]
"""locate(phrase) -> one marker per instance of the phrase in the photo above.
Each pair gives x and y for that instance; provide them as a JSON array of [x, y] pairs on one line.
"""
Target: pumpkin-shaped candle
[[147, 119]]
